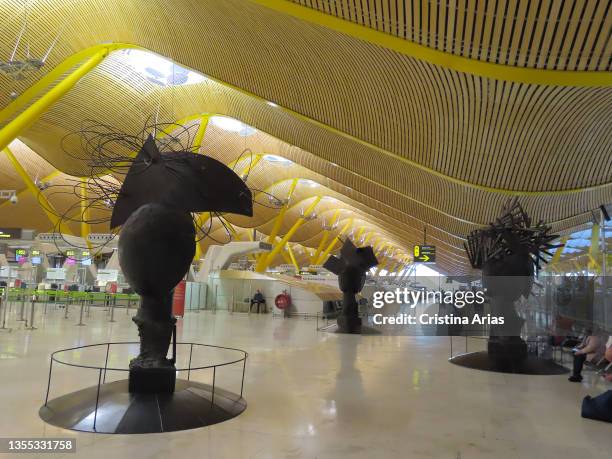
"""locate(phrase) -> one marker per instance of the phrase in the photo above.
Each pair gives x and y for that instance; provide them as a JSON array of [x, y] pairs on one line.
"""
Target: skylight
[[233, 125], [159, 70], [308, 182], [277, 159]]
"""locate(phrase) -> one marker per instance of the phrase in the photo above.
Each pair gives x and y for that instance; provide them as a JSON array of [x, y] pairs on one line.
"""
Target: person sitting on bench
[[588, 350], [258, 299]]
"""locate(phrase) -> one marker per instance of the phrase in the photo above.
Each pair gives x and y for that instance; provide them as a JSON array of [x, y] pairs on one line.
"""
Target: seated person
[[588, 350], [258, 299]]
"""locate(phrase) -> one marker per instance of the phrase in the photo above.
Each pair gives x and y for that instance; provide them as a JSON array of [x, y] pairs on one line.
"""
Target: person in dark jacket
[[258, 299]]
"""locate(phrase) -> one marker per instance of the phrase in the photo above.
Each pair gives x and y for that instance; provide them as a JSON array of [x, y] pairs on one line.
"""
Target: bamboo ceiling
[[397, 141]]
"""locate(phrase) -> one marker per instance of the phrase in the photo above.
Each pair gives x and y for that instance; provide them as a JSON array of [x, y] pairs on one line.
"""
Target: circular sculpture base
[[192, 405], [529, 366]]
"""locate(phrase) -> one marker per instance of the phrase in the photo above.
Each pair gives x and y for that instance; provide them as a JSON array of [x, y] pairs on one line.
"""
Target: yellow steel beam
[[333, 243], [325, 237], [557, 255], [261, 267], [278, 222], [575, 80], [247, 170], [594, 252], [440, 58], [380, 267], [26, 190], [45, 205], [367, 238], [28, 116], [359, 234], [197, 141], [292, 257], [53, 75]]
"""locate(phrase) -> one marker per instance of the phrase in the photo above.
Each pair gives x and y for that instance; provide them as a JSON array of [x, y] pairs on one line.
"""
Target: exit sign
[[424, 254]]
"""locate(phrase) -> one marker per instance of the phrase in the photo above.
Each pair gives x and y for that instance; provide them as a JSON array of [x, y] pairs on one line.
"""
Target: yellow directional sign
[[424, 254]]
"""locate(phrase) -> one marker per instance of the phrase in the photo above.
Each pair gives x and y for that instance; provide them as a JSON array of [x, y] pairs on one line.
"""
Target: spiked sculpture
[[154, 206], [509, 253], [351, 269]]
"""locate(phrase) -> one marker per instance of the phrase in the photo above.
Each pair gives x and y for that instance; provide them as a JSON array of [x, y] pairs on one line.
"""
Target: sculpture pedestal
[[152, 380], [349, 324], [507, 348]]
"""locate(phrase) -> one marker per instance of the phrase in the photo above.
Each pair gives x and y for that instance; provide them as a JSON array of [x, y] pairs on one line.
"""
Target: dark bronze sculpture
[[157, 242], [351, 269], [509, 253]]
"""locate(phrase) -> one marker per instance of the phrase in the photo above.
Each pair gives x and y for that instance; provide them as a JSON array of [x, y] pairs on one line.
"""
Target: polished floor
[[313, 395]]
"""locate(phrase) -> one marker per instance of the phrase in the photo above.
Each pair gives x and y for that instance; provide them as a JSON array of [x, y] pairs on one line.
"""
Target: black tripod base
[[159, 380], [192, 405]]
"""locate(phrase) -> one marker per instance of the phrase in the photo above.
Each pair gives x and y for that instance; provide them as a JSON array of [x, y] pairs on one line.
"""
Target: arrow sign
[[424, 254]]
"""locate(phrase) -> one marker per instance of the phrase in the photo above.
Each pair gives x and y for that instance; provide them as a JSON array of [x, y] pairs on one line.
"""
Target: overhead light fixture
[[277, 159], [233, 125], [158, 69], [271, 104]]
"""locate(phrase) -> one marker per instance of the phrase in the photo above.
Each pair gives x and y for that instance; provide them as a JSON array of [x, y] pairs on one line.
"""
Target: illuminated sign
[[70, 253], [20, 252], [424, 254], [35, 253], [10, 233]]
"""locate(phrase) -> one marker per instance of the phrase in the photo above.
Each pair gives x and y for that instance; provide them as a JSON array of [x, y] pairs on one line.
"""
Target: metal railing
[[102, 370]]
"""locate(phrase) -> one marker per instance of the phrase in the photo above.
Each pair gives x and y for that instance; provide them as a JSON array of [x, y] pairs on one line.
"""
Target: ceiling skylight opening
[[159, 70], [233, 125], [277, 159], [308, 182]]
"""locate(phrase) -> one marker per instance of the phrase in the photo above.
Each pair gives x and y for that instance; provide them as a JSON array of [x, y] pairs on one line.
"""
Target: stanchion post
[[80, 324], [22, 311], [112, 310], [4, 308], [31, 327]]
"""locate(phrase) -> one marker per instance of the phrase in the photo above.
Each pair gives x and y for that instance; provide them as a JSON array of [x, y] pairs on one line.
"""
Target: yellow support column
[[359, 233], [594, 252], [293, 260], [247, 170], [277, 226], [197, 141], [325, 237], [333, 243], [265, 262], [46, 206], [557, 255], [367, 239], [29, 116], [382, 267]]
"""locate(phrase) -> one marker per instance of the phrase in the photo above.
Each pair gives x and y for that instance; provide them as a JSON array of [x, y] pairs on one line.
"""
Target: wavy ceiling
[[398, 140]]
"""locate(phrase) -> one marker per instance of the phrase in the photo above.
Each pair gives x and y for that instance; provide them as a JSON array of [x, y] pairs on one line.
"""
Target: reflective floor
[[314, 395]]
